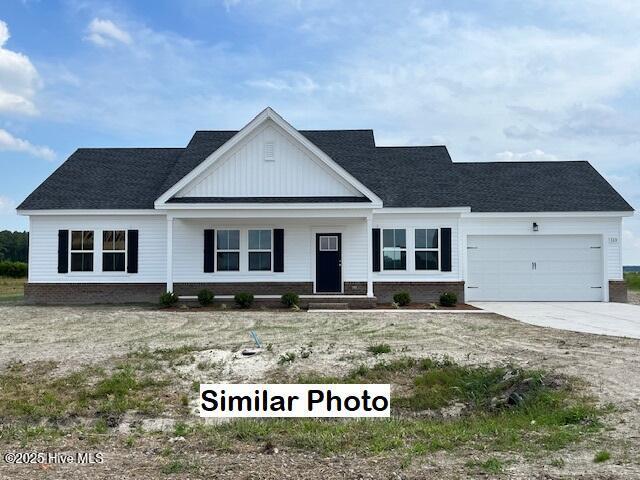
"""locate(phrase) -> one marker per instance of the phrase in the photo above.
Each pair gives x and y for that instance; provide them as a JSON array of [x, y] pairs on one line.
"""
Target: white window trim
[[329, 244], [426, 249], [405, 249], [411, 274], [71, 251], [222, 250], [250, 250], [126, 254]]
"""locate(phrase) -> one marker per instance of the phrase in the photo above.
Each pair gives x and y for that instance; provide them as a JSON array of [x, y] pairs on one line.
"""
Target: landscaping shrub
[[205, 297], [448, 299], [168, 299], [290, 299], [244, 300], [13, 269], [402, 298]]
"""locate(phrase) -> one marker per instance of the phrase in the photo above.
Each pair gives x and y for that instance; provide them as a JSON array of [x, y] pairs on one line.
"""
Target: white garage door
[[534, 268]]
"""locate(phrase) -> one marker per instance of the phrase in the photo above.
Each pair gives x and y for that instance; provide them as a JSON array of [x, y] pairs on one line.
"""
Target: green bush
[[205, 297], [168, 299], [243, 299], [448, 299], [290, 299], [13, 269], [402, 298]]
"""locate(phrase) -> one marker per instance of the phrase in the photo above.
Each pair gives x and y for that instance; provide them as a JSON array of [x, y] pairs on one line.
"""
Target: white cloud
[[7, 205], [105, 33], [19, 79], [10, 143], [288, 82], [533, 155], [528, 132]]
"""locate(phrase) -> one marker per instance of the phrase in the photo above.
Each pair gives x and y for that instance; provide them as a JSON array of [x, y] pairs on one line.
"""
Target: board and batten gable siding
[[299, 249], [243, 171], [607, 227], [43, 239], [410, 222]]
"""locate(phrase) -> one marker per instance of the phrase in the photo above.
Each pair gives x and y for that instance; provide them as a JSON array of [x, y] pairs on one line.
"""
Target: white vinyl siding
[[299, 249], [292, 171], [412, 222], [43, 244]]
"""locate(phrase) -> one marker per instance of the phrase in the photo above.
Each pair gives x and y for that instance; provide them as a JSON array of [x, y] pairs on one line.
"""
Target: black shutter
[[63, 251], [375, 240], [278, 250], [445, 255], [132, 251], [209, 250]]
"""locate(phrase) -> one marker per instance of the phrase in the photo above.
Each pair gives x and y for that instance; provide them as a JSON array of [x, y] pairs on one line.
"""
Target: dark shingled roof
[[133, 178], [105, 178]]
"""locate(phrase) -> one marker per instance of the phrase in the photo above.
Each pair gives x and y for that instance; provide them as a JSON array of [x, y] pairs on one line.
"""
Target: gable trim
[[267, 113]]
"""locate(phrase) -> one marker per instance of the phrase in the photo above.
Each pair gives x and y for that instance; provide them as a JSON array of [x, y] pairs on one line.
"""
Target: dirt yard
[[64, 340]]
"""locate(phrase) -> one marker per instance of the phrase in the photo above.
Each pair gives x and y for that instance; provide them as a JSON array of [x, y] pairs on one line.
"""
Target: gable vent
[[268, 152]]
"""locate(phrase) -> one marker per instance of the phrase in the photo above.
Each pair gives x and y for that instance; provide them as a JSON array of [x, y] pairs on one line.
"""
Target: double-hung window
[[259, 250], [113, 250], [228, 250], [427, 249], [394, 249], [82, 250]]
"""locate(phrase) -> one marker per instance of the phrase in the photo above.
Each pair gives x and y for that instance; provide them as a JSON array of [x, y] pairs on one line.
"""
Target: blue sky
[[493, 80]]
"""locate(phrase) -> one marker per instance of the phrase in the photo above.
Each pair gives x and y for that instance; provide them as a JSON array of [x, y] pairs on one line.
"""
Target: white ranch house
[[326, 214]]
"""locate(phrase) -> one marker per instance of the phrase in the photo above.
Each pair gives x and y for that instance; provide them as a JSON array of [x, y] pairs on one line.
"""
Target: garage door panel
[[535, 268]]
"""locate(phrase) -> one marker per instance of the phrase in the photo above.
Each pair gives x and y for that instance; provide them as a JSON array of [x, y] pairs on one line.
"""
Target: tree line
[[14, 246]]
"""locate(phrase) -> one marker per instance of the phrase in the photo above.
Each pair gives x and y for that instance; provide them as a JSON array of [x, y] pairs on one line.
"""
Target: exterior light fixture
[[535, 227]]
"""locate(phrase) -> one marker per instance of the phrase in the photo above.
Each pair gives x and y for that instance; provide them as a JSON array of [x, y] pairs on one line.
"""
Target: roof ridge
[[129, 148], [411, 146], [511, 162]]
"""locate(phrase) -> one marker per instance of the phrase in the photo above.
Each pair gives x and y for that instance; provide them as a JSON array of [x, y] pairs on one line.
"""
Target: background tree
[[14, 246]]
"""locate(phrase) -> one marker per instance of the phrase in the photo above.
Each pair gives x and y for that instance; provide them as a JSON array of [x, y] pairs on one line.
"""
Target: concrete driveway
[[617, 319]]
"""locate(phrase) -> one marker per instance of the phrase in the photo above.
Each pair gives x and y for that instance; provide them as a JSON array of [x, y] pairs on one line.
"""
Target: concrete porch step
[[328, 306]]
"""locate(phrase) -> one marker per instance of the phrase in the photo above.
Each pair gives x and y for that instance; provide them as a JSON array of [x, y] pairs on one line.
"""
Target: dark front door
[[328, 263]]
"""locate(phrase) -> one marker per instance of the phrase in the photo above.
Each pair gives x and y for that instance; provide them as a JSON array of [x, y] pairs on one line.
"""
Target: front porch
[[321, 255]]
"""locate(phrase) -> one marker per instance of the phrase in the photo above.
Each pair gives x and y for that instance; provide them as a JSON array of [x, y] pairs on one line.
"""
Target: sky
[[494, 80]]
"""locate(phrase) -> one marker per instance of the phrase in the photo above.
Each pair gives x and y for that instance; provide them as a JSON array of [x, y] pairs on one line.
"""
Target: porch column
[[169, 253], [369, 257]]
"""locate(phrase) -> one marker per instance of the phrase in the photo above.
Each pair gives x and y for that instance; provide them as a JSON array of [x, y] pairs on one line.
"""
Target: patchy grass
[[379, 349], [497, 409], [489, 466], [31, 393], [602, 456], [11, 288], [547, 415], [633, 280]]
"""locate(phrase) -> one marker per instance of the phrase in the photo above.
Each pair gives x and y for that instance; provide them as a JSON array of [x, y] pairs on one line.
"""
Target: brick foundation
[[355, 288], [88, 293], [92, 293], [421, 292], [618, 291], [256, 288]]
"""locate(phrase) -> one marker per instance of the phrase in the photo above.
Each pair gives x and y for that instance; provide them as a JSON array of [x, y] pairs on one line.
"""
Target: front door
[[328, 263]]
